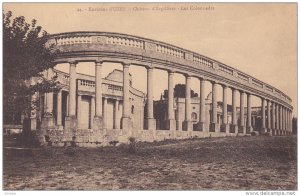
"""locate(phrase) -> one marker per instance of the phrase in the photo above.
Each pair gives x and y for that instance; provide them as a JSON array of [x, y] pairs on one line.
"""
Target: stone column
[[263, 115], [58, 110], [116, 115], [48, 120], [126, 121], [284, 120], [171, 123], [214, 126], [92, 111], [277, 120], [104, 113], [49, 104], [288, 120], [273, 119], [224, 126], [242, 128], [249, 125], [33, 113], [71, 120], [291, 121], [79, 112], [98, 118], [201, 123], [187, 124], [269, 116], [233, 126], [280, 119], [151, 122]]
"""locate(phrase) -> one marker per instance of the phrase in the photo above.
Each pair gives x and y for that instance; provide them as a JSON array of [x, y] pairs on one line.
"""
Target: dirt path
[[237, 163]]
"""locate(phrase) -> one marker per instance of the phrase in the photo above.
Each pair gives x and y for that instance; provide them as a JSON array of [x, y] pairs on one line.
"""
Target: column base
[[171, 124], [179, 125], [233, 128], [151, 123], [249, 130], [71, 123], [224, 128], [98, 123], [263, 130], [269, 130], [59, 127], [126, 124], [48, 123], [187, 126], [242, 129], [277, 132], [200, 126], [214, 127]]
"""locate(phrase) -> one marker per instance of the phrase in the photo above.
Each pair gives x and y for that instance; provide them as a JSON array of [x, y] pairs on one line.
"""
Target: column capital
[[171, 72], [242, 91], [202, 78], [224, 85], [73, 63], [126, 64], [187, 76], [99, 63], [214, 82], [149, 67], [233, 88]]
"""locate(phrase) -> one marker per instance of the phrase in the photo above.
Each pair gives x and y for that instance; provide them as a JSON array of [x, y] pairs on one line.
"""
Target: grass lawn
[[231, 163]]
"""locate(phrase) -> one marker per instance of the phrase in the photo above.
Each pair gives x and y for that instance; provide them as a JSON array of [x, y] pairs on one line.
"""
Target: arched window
[[194, 116]]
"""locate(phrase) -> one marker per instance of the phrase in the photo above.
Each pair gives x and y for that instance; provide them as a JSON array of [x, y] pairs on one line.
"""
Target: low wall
[[90, 138]]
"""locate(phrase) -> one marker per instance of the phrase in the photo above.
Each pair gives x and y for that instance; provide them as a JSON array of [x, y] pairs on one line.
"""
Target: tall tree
[[179, 91], [25, 56]]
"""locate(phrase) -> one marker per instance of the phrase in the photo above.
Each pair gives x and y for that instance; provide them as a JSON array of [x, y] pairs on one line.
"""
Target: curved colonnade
[[100, 47]]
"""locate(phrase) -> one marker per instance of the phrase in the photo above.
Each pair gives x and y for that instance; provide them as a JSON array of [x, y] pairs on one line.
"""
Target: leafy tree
[[179, 91], [25, 56]]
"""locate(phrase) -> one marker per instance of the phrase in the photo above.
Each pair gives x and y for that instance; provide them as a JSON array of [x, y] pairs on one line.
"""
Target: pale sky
[[259, 39]]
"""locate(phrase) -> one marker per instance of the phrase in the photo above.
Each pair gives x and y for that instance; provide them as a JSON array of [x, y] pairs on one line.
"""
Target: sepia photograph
[[149, 96]]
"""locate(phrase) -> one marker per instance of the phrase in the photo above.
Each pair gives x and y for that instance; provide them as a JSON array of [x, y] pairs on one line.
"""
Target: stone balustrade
[[169, 51], [123, 41], [73, 40], [185, 57]]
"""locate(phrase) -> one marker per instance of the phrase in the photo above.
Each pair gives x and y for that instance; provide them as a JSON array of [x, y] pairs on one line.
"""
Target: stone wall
[[89, 138]]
